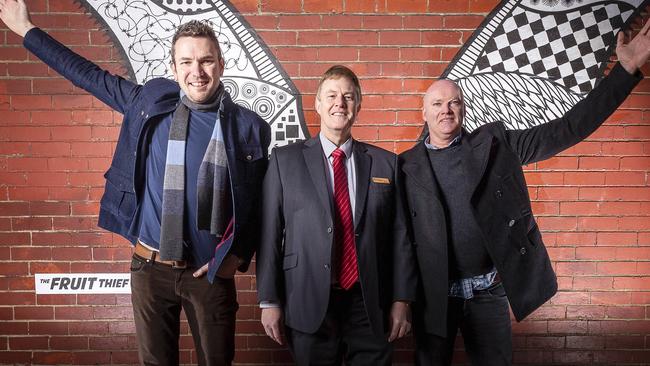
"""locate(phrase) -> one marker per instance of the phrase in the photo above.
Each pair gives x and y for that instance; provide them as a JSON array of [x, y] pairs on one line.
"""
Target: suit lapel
[[313, 155], [362, 162]]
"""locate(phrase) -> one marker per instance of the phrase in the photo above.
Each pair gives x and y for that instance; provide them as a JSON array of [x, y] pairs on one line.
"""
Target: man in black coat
[[477, 244]]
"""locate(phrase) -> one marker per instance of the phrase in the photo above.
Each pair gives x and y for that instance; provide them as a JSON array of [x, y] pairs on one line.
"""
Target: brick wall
[[592, 201]]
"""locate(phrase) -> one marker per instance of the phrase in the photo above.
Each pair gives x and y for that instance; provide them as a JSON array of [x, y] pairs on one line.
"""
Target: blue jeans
[[484, 322]]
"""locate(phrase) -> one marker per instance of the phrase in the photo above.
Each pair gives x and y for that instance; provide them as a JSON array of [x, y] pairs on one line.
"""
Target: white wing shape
[[531, 61], [252, 75]]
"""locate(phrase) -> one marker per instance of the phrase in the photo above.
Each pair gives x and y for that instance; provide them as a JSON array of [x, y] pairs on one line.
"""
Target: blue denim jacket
[[247, 138]]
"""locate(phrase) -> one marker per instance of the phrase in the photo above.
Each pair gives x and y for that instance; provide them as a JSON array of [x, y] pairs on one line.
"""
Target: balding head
[[443, 110]]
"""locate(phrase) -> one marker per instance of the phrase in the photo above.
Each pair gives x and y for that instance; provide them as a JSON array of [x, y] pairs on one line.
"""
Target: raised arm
[[15, 15], [634, 54]]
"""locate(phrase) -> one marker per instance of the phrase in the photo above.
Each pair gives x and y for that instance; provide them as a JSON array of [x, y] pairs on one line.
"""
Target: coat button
[[498, 193], [142, 113], [511, 223], [249, 157], [327, 266], [413, 213], [329, 230], [522, 251]]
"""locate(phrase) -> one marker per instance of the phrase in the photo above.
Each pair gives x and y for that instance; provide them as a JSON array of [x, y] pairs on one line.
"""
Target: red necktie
[[344, 230]]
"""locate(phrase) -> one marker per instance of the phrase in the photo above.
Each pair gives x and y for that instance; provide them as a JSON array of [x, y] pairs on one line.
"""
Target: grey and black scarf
[[212, 183]]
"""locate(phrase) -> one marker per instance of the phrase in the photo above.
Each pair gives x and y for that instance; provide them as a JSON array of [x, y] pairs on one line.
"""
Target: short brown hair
[[337, 72], [195, 28]]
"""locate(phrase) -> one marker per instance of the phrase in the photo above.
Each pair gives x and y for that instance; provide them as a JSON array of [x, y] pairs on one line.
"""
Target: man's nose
[[197, 69]]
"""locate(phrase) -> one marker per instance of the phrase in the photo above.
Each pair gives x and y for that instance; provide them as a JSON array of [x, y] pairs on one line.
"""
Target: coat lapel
[[362, 162], [475, 155], [418, 167], [313, 155]]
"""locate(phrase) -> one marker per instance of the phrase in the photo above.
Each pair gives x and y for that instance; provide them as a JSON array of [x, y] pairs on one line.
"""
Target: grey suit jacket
[[294, 261]]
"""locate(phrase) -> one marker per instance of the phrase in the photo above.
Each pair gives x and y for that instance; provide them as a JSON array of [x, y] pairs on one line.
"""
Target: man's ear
[[173, 66]]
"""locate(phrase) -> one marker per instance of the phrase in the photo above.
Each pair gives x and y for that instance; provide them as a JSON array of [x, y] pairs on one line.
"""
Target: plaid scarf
[[212, 182]]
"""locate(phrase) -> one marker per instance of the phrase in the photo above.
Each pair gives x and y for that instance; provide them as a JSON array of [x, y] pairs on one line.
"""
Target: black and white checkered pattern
[[568, 48]]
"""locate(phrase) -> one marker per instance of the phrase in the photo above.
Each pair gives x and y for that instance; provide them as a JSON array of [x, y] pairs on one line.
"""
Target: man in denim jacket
[[183, 187]]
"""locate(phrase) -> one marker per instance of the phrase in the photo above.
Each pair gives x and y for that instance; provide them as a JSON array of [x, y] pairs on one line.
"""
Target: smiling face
[[197, 67], [443, 110], [338, 105]]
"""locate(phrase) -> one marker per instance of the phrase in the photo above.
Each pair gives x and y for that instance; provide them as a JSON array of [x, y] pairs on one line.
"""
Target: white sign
[[83, 283]]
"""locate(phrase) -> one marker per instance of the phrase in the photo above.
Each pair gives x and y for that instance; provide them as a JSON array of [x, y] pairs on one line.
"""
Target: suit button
[[249, 157], [327, 267], [498, 193], [329, 230], [511, 223], [413, 213], [522, 251], [142, 113]]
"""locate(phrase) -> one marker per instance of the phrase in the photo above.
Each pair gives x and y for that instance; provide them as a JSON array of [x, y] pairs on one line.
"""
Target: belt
[[152, 256]]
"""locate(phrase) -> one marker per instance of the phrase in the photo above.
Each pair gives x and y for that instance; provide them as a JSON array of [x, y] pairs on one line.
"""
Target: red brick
[[91, 149], [610, 297], [631, 283], [72, 101], [423, 22], [27, 70], [634, 223], [399, 38], [299, 22], [585, 312], [567, 326], [94, 117], [624, 178], [50, 149], [407, 6], [20, 164], [262, 21], [323, 6], [72, 254], [14, 87], [68, 343], [338, 54], [37, 253], [625, 312], [33, 312], [325, 38], [360, 38], [544, 178], [570, 298], [28, 343], [619, 148], [275, 37], [285, 6], [73, 313], [617, 268], [469, 22], [52, 86], [579, 208]]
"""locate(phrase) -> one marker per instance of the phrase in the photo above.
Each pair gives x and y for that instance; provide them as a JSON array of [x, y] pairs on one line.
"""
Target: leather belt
[[152, 256]]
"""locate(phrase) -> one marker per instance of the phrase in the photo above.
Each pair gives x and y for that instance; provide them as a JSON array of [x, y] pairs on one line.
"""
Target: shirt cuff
[[268, 304]]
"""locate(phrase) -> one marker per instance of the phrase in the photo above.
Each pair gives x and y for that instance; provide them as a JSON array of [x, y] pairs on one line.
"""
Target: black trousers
[[158, 292], [345, 335], [484, 322]]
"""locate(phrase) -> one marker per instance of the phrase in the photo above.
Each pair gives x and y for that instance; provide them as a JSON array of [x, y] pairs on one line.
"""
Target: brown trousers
[[158, 292]]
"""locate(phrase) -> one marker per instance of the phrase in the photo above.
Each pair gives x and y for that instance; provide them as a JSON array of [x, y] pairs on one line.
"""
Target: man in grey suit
[[335, 268], [478, 246]]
